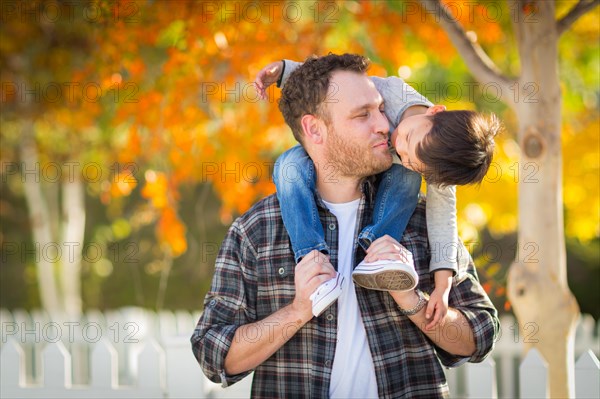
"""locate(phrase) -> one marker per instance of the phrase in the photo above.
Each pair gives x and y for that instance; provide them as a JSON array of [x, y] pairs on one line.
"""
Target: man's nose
[[381, 124]]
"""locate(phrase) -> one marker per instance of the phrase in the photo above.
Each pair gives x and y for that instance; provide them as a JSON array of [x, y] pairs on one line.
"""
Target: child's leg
[[395, 203], [295, 179]]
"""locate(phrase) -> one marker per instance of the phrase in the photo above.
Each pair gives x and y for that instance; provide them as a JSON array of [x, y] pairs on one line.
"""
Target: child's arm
[[437, 307], [441, 227], [288, 67], [398, 97], [441, 202], [397, 94], [443, 243], [267, 76], [275, 72]]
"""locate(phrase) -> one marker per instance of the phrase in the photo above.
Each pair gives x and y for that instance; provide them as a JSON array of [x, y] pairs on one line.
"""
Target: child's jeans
[[294, 176]]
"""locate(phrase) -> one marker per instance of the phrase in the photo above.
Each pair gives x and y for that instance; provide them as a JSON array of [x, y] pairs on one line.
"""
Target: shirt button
[[328, 363], [331, 226], [213, 302], [281, 271], [329, 317]]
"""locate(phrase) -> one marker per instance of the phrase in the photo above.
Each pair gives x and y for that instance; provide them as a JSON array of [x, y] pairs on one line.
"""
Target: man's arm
[[453, 333], [470, 328], [225, 308], [219, 341], [275, 330], [272, 332]]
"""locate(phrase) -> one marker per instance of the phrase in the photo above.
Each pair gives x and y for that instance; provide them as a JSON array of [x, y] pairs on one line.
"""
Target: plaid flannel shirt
[[254, 277]]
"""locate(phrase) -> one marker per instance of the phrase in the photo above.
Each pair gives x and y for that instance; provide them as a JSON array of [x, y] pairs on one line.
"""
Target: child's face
[[409, 134], [406, 138]]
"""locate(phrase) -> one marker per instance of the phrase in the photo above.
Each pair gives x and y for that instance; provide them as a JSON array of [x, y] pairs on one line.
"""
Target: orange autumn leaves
[[170, 231], [196, 119]]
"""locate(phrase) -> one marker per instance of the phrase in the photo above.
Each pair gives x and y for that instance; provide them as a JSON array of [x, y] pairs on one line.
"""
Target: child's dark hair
[[459, 147]]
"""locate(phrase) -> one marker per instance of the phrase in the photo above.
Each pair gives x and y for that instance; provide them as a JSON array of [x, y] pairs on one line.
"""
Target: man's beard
[[346, 159]]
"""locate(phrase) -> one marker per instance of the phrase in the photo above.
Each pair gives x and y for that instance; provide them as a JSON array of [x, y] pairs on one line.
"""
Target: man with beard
[[258, 313]]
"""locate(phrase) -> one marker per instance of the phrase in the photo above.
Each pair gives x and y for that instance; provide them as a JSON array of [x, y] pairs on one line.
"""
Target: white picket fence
[[133, 352]]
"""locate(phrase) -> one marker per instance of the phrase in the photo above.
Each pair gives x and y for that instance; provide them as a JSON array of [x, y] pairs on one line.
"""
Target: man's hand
[[387, 248], [266, 77], [312, 271], [244, 354]]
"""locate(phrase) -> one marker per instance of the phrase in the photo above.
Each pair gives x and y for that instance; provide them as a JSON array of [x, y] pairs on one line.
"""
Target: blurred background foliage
[[156, 96]]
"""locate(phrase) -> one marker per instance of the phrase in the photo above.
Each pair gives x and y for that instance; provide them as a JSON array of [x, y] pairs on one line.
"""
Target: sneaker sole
[[385, 281]]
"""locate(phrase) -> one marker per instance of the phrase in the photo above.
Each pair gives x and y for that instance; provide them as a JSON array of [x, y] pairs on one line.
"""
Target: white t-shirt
[[353, 373]]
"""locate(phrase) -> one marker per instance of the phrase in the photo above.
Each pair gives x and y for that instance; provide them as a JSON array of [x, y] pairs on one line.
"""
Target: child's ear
[[312, 128], [435, 109]]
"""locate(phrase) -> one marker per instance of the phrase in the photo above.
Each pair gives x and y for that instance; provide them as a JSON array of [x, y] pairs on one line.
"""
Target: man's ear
[[313, 128], [435, 109]]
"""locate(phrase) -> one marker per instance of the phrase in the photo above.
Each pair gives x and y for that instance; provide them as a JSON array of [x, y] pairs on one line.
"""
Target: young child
[[446, 147]]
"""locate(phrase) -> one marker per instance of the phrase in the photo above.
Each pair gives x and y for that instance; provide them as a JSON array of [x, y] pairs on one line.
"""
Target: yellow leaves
[[493, 269], [475, 215], [173, 35], [417, 59], [585, 229], [480, 205], [581, 185], [581, 171]]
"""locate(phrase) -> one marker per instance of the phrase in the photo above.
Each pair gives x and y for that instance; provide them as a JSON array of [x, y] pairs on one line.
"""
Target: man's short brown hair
[[459, 147], [306, 89]]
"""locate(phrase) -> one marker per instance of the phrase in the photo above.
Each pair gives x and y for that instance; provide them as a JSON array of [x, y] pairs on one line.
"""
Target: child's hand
[[437, 307], [266, 77]]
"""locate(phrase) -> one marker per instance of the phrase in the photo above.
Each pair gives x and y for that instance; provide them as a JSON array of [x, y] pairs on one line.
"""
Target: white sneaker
[[326, 294], [385, 275]]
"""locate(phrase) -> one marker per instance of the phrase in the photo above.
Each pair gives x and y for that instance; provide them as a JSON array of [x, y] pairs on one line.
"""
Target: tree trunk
[[57, 236], [39, 217], [537, 280], [73, 225]]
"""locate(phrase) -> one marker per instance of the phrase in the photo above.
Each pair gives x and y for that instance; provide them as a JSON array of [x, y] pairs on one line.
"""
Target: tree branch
[[482, 67], [563, 24]]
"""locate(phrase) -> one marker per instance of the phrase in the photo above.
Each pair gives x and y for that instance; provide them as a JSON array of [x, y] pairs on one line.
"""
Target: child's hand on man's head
[[266, 77]]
